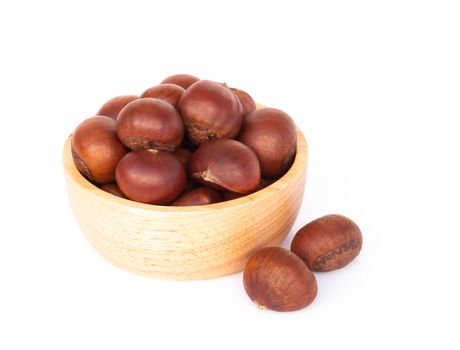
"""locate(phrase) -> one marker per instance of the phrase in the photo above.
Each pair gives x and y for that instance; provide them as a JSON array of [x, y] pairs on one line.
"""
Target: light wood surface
[[187, 242]]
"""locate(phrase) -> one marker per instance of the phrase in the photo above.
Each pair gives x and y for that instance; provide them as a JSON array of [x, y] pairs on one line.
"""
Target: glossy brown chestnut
[[227, 196], [166, 92], [210, 111], [246, 100], [113, 106], [149, 176], [328, 243], [183, 154], [150, 123], [271, 134], [113, 189], [183, 80], [277, 279], [226, 165], [96, 149], [265, 183], [198, 196]]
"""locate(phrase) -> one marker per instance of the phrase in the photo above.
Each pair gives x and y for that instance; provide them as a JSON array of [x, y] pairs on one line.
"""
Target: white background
[[375, 87]]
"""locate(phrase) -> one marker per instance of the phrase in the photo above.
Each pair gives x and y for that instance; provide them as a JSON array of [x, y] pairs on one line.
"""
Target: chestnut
[[271, 134], [113, 189], [183, 80], [183, 154], [265, 183], [227, 196], [96, 149], [198, 196], [278, 280], [166, 92], [149, 176], [225, 165], [210, 111], [150, 123], [328, 243], [246, 101], [113, 106]]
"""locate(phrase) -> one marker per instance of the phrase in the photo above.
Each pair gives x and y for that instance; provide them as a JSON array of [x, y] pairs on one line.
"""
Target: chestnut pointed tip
[[260, 306], [226, 165], [207, 175]]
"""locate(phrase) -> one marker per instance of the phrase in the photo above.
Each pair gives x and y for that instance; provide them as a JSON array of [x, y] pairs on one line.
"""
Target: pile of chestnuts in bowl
[[184, 142], [193, 143]]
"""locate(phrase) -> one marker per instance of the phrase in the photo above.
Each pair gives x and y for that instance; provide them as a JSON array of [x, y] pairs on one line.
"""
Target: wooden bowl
[[186, 242]]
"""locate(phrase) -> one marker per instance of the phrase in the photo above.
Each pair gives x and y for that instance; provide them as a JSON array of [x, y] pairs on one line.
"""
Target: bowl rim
[[296, 169]]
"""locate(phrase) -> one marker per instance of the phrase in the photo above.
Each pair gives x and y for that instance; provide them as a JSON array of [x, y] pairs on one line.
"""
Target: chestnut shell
[[198, 196], [183, 80], [150, 123], [271, 134], [113, 189], [210, 111], [152, 177], [166, 92], [328, 243], [277, 279], [226, 165], [113, 106], [228, 196], [183, 154], [96, 149], [246, 100]]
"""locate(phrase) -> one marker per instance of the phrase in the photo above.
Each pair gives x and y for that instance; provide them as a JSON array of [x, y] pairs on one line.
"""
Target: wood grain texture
[[186, 242]]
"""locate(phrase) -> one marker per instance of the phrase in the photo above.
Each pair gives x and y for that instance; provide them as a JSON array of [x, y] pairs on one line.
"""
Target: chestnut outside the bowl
[[186, 242]]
